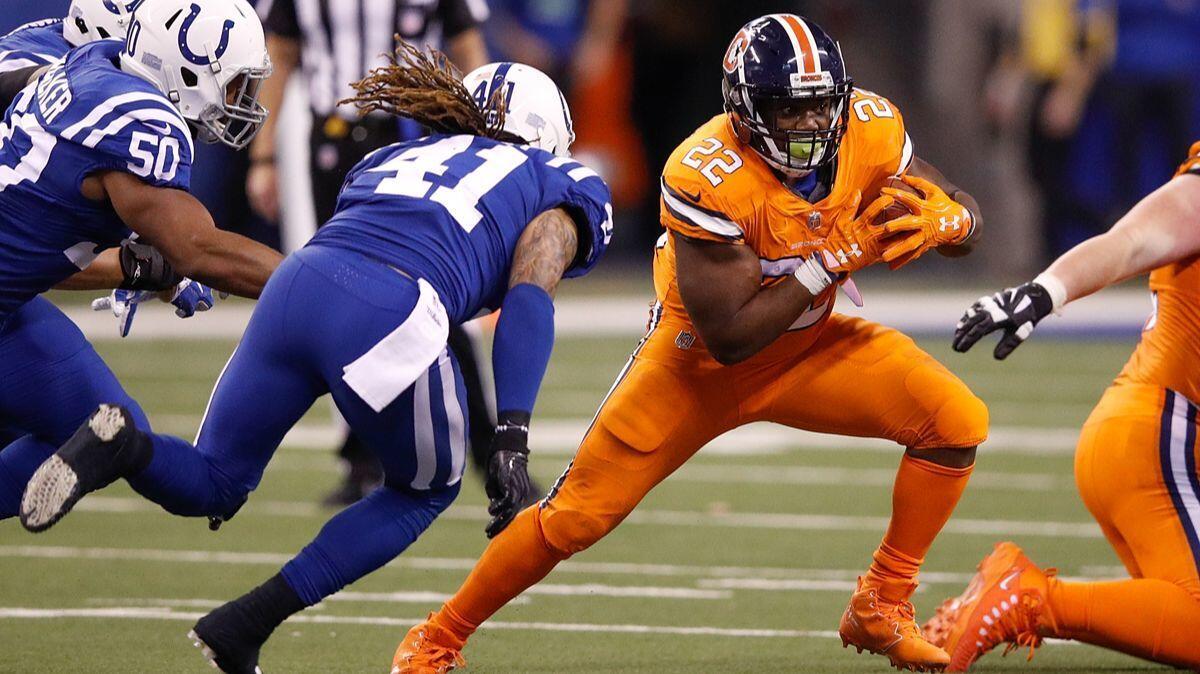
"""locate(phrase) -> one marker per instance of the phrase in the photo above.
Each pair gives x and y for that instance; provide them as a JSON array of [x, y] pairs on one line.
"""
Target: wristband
[[813, 276], [1054, 288], [144, 268]]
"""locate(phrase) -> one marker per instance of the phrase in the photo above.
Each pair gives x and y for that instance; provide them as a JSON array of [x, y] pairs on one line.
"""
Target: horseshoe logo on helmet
[[193, 57]]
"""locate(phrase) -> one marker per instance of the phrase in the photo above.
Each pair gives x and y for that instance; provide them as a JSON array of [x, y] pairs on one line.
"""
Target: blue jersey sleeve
[[145, 137], [587, 197], [33, 44]]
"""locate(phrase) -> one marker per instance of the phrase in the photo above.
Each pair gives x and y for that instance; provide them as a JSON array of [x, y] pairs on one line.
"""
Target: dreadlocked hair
[[426, 87]]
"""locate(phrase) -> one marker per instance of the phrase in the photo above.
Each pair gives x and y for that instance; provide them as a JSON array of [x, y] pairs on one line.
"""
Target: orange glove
[[937, 220], [854, 242]]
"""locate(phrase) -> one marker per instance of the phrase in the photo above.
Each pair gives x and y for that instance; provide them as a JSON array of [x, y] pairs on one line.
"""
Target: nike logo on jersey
[[694, 198], [163, 128]]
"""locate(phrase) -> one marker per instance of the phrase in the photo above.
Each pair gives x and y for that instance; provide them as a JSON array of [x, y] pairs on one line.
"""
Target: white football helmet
[[90, 20], [209, 57], [535, 109]]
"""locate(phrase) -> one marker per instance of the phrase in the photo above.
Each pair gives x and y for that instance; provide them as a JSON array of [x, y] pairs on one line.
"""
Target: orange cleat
[[428, 648], [1004, 603], [885, 626]]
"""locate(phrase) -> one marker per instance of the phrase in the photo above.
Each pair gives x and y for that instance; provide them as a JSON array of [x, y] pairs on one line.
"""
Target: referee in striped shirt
[[335, 43]]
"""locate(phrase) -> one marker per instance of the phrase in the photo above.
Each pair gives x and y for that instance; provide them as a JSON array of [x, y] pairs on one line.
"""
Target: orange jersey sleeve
[[700, 197], [883, 148], [1192, 163]]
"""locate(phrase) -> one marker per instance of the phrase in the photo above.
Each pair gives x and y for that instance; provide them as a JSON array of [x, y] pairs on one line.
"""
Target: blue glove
[[123, 304], [190, 297]]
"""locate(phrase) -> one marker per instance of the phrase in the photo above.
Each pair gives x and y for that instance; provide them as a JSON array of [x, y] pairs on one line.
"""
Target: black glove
[[508, 485], [1015, 311], [145, 268]]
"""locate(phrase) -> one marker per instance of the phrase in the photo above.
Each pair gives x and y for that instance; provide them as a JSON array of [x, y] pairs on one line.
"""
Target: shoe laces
[[427, 652], [902, 614], [1016, 626]]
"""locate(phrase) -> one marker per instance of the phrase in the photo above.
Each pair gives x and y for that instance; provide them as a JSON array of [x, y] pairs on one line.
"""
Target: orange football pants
[[858, 378], [1135, 467]]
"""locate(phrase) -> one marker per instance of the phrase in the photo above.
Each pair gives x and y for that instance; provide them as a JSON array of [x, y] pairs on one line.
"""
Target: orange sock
[[514, 561], [1144, 617], [923, 497]]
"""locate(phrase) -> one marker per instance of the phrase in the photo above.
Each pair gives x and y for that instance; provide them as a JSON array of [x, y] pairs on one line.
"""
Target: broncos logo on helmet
[[787, 92]]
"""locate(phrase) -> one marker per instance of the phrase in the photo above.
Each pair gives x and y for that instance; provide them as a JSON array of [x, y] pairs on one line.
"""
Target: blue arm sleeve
[[521, 349]]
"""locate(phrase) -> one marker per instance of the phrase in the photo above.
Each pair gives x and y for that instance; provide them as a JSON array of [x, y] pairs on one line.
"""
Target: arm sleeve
[[281, 19], [522, 346], [458, 16]]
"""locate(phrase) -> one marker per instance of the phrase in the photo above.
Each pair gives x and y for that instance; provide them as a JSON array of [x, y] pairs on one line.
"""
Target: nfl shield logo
[[685, 340]]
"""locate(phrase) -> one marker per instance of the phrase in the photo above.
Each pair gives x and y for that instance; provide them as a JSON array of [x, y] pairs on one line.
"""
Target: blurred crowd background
[[1056, 114]]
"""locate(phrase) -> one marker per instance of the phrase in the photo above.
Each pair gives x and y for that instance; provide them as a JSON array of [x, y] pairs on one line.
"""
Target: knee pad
[[961, 421], [957, 417], [570, 530]]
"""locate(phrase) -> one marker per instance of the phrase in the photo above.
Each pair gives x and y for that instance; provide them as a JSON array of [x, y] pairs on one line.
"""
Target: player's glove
[[144, 268], [937, 220], [508, 484], [191, 296], [123, 304], [1015, 311]]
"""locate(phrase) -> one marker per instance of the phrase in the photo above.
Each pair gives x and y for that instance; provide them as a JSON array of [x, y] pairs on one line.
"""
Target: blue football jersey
[[450, 209], [83, 116], [33, 44]]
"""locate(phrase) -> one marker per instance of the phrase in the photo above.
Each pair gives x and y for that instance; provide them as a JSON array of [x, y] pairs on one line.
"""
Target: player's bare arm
[[736, 316], [1159, 230], [104, 273], [262, 181], [178, 225], [545, 250], [926, 171]]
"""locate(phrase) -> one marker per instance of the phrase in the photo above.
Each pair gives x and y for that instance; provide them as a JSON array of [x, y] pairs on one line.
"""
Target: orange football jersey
[[1169, 353], [716, 188]]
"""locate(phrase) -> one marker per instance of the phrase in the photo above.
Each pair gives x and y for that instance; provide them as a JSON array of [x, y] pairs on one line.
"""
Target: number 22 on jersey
[[720, 159]]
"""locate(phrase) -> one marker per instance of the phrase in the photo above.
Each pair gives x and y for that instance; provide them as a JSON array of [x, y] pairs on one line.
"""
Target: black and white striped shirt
[[342, 40]]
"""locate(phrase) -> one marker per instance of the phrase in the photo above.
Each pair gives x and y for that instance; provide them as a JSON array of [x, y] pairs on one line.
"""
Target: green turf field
[[741, 563]]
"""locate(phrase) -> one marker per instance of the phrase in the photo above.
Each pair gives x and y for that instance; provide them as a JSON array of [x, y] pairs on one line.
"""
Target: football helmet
[[90, 20], [209, 57], [778, 69], [535, 110]]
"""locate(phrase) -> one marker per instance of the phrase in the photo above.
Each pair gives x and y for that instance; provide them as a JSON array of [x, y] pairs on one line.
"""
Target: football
[[896, 210]]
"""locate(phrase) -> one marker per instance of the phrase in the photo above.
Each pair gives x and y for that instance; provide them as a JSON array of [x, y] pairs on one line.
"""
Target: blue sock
[[18, 462], [363, 538]]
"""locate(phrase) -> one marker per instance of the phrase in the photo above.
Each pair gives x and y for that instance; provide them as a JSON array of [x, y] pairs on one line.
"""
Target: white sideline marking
[[150, 613], [687, 518]]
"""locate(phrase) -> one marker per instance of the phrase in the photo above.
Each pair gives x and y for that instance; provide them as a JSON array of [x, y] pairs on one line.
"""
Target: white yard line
[[561, 437], [149, 613], [156, 613], [727, 573], [926, 312], [687, 518]]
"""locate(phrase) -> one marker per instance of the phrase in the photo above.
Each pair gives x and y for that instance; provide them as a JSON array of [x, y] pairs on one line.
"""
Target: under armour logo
[[202, 59], [950, 224], [844, 257]]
